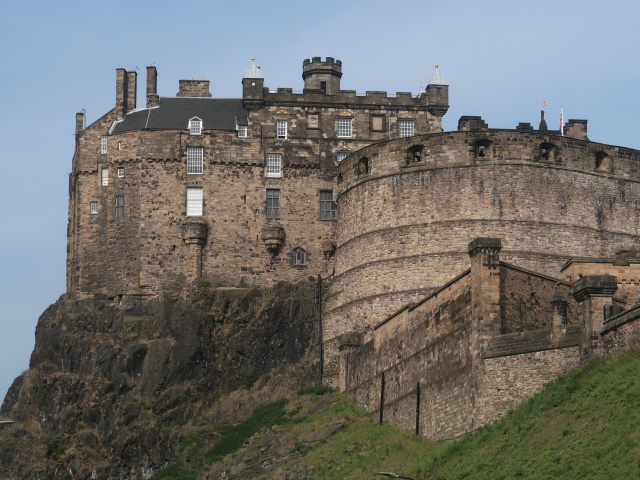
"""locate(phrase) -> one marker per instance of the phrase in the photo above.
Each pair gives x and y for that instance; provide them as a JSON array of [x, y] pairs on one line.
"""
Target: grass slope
[[585, 425]]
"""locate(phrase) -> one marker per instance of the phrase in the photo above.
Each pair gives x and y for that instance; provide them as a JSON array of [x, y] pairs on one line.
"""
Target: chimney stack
[[153, 100]]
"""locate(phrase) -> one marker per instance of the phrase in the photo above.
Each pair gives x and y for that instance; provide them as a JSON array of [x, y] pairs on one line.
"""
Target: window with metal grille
[[274, 165], [328, 209], [195, 199], [104, 176], [103, 144], [120, 206], [298, 256], [281, 129], [120, 172], [242, 131], [273, 203], [344, 127], [340, 156], [195, 126], [405, 128], [195, 160], [93, 208]]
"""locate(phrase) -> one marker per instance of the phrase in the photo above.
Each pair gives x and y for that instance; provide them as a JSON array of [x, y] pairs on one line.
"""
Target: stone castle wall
[[405, 223]]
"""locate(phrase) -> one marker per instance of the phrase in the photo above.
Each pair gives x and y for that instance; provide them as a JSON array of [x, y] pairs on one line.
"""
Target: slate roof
[[174, 113]]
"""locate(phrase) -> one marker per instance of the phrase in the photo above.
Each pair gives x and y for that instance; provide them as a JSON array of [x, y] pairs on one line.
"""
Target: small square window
[[405, 128], [340, 156], [344, 127], [104, 176], [195, 126], [120, 205], [103, 144], [243, 131], [273, 203], [274, 165], [93, 208], [120, 172], [328, 209], [281, 129], [195, 160], [195, 200]]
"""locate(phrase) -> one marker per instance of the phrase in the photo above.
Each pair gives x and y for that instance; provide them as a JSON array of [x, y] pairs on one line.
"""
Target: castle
[[463, 270]]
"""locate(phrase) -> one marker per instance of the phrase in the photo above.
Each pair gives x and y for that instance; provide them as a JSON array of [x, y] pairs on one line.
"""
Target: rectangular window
[[93, 208], [120, 172], [104, 176], [377, 123], [340, 156], [273, 203], [120, 206], [344, 127], [328, 209], [405, 128], [274, 165], [281, 129], [195, 126], [242, 131], [103, 144], [195, 160], [195, 199]]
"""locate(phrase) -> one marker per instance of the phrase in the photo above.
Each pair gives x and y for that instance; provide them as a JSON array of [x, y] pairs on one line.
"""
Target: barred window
[[242, 131], [405, 128], [104, 176], [120, 205], [195, 200], [93, 208], [281, 129], [328, 209], [340, 156], [103, 144], [298, 256], [274, 165], [195, 160], [120, 172], [195, 126], [344, 127], [273, 203]]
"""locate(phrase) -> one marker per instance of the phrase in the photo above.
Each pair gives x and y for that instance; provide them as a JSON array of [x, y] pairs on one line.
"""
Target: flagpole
[[562, 121]]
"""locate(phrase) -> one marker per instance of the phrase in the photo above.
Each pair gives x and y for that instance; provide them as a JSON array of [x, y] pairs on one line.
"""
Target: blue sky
[[501, 58]]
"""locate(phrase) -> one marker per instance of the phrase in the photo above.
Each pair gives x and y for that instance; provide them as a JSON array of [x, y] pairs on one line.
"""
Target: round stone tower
[[319, 75], [406, 219]]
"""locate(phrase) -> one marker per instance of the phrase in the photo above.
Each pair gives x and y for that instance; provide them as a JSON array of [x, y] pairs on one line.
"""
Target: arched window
[[603, 162], [547, 151], [414, 153], [482, 148], [299, 257], [362, 168]]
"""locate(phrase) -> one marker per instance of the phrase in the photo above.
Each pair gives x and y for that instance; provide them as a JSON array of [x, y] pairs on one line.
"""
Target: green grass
[[584, 425]]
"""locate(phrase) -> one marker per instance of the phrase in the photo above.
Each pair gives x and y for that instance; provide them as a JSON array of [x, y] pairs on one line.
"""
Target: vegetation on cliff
[[584, 425]]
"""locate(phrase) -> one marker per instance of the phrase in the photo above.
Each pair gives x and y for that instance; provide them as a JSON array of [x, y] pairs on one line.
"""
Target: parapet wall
[[405, 219]]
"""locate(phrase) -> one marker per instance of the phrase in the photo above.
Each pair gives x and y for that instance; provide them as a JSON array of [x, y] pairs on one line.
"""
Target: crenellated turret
[[319, 75]]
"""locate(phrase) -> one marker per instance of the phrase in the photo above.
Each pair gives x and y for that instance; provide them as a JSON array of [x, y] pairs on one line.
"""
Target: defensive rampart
[[408, 208]]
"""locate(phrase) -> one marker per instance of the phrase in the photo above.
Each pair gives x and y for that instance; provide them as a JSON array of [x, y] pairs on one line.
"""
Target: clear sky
[[501, 58]]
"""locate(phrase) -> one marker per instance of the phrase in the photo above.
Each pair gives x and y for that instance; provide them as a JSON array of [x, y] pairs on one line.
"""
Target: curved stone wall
[[409, 207]]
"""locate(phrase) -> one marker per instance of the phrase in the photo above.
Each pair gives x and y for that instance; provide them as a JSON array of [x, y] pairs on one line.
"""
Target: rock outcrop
[[115, 385]]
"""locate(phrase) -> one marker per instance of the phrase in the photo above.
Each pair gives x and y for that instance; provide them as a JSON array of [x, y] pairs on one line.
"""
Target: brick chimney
[[194, 88], [153, 100], [132, 90]]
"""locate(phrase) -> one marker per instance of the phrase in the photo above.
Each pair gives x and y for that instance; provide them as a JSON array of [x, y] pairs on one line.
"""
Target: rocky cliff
[[114, 386]]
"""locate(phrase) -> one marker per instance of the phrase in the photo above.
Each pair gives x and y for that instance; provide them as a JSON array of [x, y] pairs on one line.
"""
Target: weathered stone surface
[[114, 386]]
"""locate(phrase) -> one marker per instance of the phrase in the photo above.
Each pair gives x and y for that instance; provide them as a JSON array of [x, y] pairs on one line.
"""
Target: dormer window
[[195, 126], [242, 131]]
